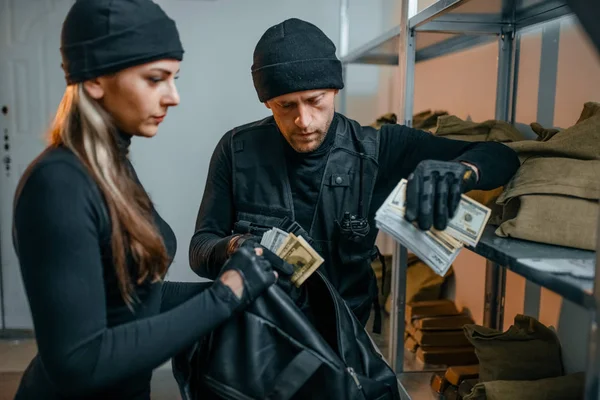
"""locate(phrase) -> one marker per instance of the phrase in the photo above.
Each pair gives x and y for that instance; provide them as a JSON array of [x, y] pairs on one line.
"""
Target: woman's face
[[138, 97]]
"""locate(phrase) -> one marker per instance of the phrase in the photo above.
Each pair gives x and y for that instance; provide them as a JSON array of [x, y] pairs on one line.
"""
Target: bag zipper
[[337, 314], [353, 375], [337, 311]]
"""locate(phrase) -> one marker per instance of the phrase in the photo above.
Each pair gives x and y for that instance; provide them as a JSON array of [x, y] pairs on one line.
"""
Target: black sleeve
[[208, 246], [57, 239], [176, 293], [402, 148]]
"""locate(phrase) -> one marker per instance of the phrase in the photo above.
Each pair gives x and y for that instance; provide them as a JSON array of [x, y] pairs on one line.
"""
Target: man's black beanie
[[100, 37], [294, 56]]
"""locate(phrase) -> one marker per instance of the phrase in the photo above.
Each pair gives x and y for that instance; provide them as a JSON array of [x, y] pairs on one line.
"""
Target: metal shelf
[[453, 44], [381, 50], [446, 27], [459, 25], [513, 254], [485, 15]]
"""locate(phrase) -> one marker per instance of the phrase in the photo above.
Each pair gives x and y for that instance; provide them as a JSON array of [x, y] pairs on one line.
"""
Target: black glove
[[433, 192], [255, 270], [283, 268]]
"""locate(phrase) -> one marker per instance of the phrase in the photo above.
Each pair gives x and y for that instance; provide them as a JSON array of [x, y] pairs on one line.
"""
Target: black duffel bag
[[272, 351]]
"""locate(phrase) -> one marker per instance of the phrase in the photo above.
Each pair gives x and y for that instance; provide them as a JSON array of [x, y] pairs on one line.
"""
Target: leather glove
[[433, 192], [255, 270], [283, 268]]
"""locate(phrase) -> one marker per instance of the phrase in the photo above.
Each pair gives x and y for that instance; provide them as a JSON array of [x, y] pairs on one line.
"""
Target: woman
[[92, 248]]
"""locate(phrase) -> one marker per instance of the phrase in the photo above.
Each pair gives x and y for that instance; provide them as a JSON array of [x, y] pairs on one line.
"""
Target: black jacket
[[249, 179]]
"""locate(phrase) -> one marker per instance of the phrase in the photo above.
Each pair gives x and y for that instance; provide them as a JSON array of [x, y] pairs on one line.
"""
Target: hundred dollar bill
[[466, 226], [438, 255], [468, 223], [296, 251], [279, 237], [267, 239], [438, 249], [273, 239]]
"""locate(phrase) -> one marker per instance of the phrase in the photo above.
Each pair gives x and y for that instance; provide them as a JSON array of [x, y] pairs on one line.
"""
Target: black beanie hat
[[294, 56], [100, 37]]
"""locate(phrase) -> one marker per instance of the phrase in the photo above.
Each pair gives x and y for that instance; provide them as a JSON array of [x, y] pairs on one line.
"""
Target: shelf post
[[504, 90], [495, 275], [495, 287], [398, 292], [592, 376], [406, 61], [409, 80], [406, 64]]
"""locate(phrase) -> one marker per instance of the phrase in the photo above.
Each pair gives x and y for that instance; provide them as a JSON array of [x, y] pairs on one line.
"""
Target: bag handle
[[294, 376]]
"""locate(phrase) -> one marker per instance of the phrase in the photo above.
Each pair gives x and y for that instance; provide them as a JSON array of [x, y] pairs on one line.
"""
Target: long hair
[[85, 128]]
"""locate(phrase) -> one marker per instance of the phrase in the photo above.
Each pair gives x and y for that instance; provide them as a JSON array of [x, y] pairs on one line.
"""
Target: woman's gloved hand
[[433, 192], [255, 271], [284, 269]]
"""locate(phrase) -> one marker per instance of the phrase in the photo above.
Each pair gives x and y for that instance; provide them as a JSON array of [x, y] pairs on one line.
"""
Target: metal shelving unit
[[444, 28]]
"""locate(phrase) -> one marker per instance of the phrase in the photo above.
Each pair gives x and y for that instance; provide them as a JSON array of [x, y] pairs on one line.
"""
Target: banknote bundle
[[438, 249], [294, 250]]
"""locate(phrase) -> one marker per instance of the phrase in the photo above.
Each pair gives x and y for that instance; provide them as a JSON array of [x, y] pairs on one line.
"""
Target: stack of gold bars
[[456, 382], [434, 330]]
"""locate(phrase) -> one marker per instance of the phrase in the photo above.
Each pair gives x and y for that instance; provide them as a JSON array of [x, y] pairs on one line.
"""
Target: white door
[[31, 85]]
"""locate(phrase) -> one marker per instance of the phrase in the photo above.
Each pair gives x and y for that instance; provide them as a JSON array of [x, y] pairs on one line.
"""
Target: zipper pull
[[353, 374]]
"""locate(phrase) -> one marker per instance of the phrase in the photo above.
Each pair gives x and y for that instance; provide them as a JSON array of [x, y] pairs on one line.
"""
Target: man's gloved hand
[[256, 272], [433, 192]]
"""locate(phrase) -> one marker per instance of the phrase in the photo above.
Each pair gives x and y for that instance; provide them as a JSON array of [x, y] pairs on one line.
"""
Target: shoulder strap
[[294, 376]]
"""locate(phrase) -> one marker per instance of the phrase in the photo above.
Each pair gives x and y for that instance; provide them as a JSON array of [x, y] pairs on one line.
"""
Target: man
[[324, 171]]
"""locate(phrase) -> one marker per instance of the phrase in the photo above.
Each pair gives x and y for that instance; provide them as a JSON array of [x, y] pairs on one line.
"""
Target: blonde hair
[[84, 127]]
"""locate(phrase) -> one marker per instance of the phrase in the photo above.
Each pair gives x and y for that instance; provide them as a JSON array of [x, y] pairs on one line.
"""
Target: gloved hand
[[433, 192], [257, 273], [283, 268]]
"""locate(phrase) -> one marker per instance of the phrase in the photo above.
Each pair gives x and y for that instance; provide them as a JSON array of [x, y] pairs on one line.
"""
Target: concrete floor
[[15, 355]]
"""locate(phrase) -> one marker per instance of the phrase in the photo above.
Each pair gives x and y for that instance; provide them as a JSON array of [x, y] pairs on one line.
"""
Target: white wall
[[362, 80], [216, 92], [216, 95]]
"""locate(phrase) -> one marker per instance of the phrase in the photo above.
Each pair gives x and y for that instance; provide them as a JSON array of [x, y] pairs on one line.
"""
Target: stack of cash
[[294, 250], [437, 249]]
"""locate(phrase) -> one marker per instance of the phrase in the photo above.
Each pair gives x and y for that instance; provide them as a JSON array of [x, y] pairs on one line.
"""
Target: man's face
[[304, 117]]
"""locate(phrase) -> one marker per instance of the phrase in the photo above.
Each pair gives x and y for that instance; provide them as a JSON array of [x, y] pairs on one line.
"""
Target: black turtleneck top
[[90, 344], [305, 171]]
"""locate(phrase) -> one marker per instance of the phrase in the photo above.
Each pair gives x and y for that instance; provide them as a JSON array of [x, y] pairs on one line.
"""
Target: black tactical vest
[[262, 196]]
